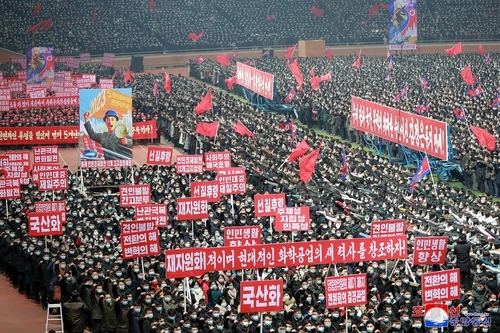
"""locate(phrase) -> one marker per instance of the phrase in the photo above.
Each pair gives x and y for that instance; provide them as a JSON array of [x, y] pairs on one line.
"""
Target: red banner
[[42, 167], [16, 86], [217, 160], [145, 130], [140, 244], [5, 94], [10, 188], [21, 61], [343, 291], [430, 250], [206, 189], [47, 102], [160, 155], [267, 204], [84, 56], [132, 227], [1, 78], [41, 93], [261, 296], [410, 130], [197, 261], [106, 83], [132, 195], [107, 60], [92, 77], [232, 180], [46, 154], [62, 60], [189, 164], [292, 219], [388, 228], [20, 157], [15, 170], [21, 75], [83, 83], [242, 236], [441, 286], [4, 105], [39, 135], [192, 209], [53, 180], [73, 63], [36, 86], [45, 224], [157, 213], [62, 76], [51, 206], [257, 81]]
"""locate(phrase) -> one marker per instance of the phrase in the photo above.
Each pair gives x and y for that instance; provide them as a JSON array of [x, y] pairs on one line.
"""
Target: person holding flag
[[344, 173], [423, 82], [423, 170]]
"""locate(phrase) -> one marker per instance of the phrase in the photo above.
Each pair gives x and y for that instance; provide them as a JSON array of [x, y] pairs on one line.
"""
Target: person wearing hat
[[117, 146]]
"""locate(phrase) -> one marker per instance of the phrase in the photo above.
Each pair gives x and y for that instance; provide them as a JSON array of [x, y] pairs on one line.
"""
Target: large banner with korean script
[[40, 64]]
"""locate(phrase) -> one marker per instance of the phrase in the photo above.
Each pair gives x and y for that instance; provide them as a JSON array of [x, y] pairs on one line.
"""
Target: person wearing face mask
[[96, 293], [268, 324], [134, 318], [214, 295], [396, 327], [243, 325], [462, 251], [297, 318], [196, 294], [231, 295], [288, 302], [383, 322], [479, 296], [109, 319], [146, 323], [495, 317], [44, 275]]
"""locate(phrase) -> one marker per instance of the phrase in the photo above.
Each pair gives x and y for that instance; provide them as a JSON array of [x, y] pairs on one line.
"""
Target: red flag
[[230, 82], [207, 129], [152, 6], [289, 52], [481, 50], [194, 36], [242, 130], [484, 138], [294, 67], [155, 89], [128, 76], [307, 164], [34, 28], [357, 63], [329, 54], [300, 150], [315, 81], [385, 6], [167, 85], [373, 10], [47, 24], [223, 60], [37, 9], [467, 75], [94, 17], [317, 12], [205, 104], [456, 49]]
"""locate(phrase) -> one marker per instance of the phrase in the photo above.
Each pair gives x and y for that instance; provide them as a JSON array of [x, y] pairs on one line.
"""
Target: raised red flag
[[484, 138], [289, 52], [300, 150], [295, 68], [128, 76], [466, 74], [307, 164], [205, 104], [167, 84], [242, 130], [37, 9], [152, 6], [481, 50], [357, 63], [194, 36], [94, 16], [316, 11], [155, 89], [34, 28], [373, 10], [223, 60], [231, 81], [329, 54], [47, 24], [385, 6], [456, 49], [208, 129]]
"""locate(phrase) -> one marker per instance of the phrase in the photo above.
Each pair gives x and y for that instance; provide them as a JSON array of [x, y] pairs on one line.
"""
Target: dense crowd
[[131, 26]]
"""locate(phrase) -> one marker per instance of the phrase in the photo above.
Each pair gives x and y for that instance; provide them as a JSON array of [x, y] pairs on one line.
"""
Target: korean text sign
[[186, 164], [132, 195], [192, 209], [292, 218], [193, 262], [46, 154], [157, 213], [140, 244], [206, 189], [53, 180], [257, 81], [132, 227], [217, 160], [388, 228], [232, 180], [10, 188], [160, 155], [42, 167], [349, 290], [242, 236], [261, 296], [267, 204], [430, 250], [51, 206], [45, 224], [441, 286]]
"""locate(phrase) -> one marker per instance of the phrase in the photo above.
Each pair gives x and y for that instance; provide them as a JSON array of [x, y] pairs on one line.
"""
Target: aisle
[[18, 313]]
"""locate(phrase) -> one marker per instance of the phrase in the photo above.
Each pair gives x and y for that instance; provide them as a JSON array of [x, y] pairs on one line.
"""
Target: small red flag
[[289, 52], [94, 16], [152, 6], [373, 10], [47, 24], [467, 75], [128, 76], [456, 49], [307, 164], [195, 37], [481, 50], [300, 150], [385, 6], [168, 84], [37, 9], [205, 104], [242, 130], [230, 82], [207, 129], [34, 28], [294, 67], [329, 54], [357, 63], [155, 89], [223, 60], [484, 138], [317, 12]]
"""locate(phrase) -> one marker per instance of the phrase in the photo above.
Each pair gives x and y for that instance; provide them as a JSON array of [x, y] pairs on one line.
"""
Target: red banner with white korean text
[[140, 244], [153, 212], [84, 56], [48, 102], [51, 206], [15, 170], [145, 130], [21, 75], [46, 154], [189, 164], [73, 63], [441, 286], [53, 180], [267, 204], [388, 228], [261, 296], [21, 61], [20, 157], [83, 83], [40, 135], [160, 155], [410, 130], [40, 93], [217, 160], [343, 291], [132, 227], [10, 188], [232, 180], [16, 86], [62, 76], [106, 83], [42, 167], [197, 261], [242, 236], [91, 77], [132, 195], [257, 81], [62, 60], [192, 209], [107, 60], [292, 218], [5, 94], [430, 250], [45, 224], [4, 105], [206, 189]]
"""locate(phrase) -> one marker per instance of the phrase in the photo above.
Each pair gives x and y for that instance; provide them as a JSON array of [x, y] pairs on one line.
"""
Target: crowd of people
[[133, 26]]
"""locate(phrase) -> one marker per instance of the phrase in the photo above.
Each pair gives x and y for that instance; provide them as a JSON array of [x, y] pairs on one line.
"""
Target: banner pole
[[394, 268], [232, 205], [192, 230], [261, 322], [282, 164], [142, 264], [184, 281], [409, 270], [132, 178], [53, 195], [7, 208]]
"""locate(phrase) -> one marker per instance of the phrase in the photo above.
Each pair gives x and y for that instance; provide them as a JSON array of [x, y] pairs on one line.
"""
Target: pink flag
[[300, 150], [317, 12], [373, 10], [195, 37], [307, 165], [481, 50], [357, 63], [329, 54], [456, 49], [167, 85], [223, 60], [289, 52], [242, 130], [294, 67], [205, 104], [230, 82], [467, 75], [484, 138]]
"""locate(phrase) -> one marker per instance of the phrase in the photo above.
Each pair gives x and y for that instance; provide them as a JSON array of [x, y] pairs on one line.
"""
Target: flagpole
[[432, 177]]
